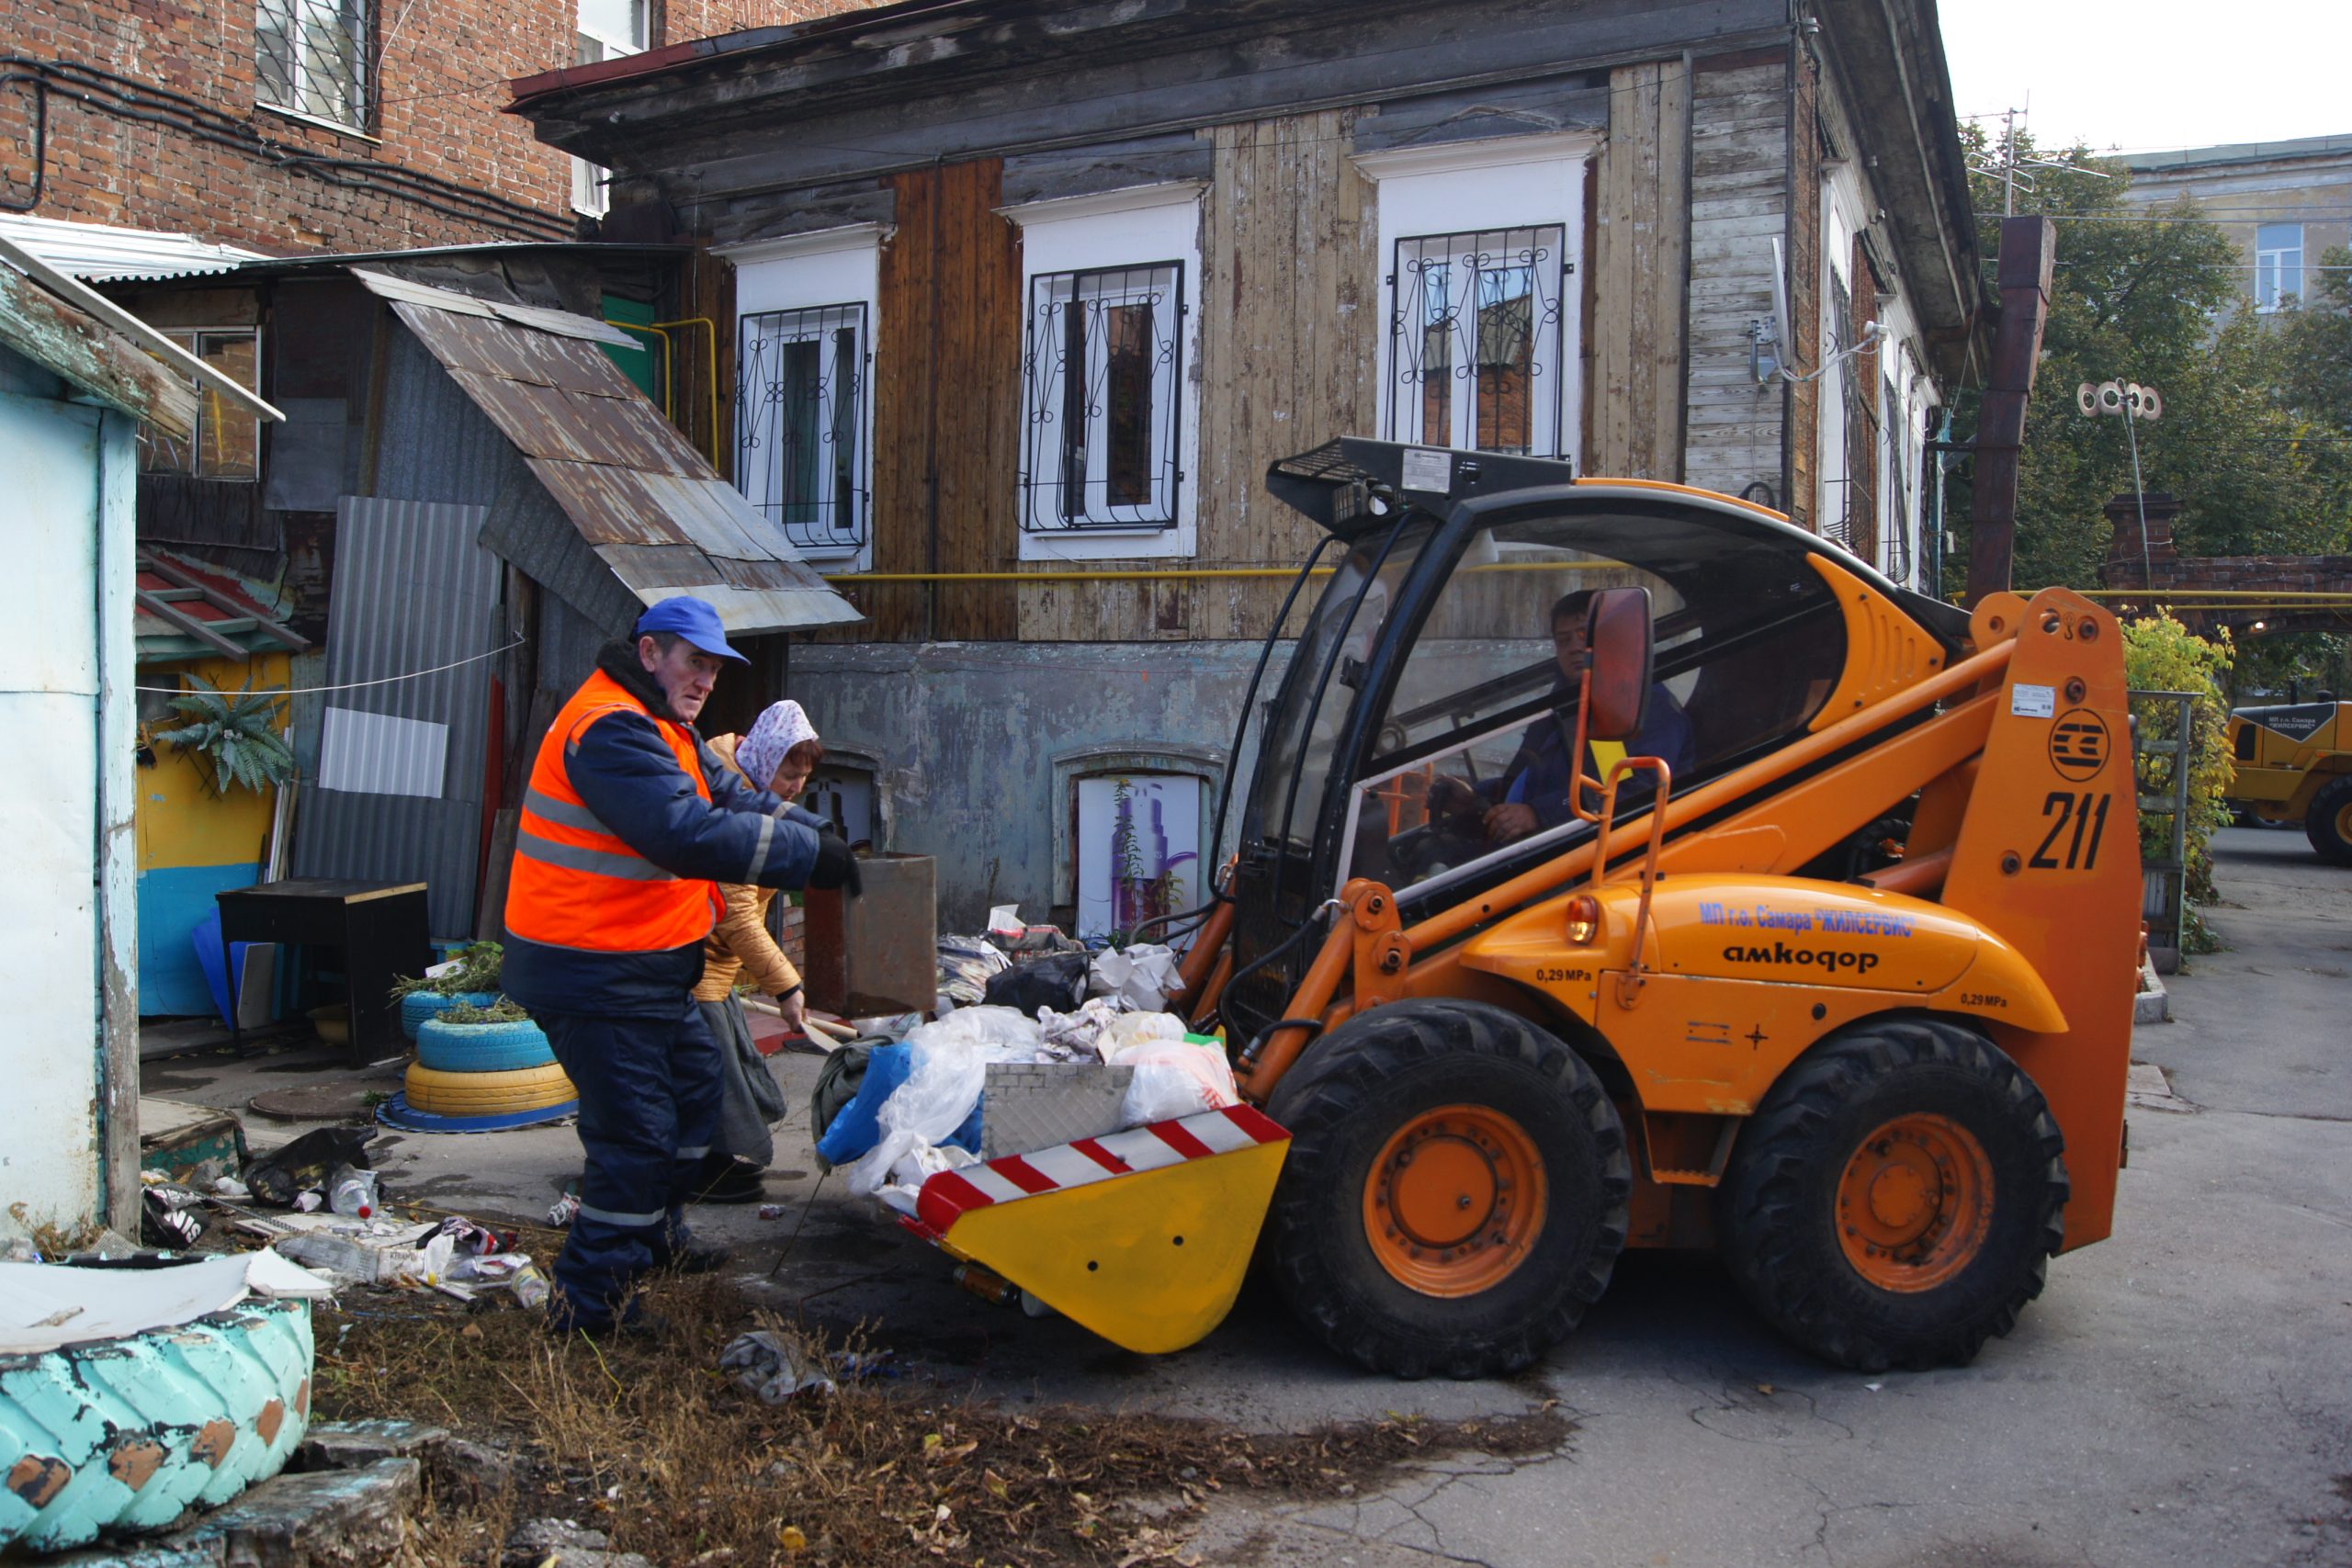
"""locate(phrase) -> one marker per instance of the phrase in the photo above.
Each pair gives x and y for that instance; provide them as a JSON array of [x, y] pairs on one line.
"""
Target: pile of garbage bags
[[920, 1110]]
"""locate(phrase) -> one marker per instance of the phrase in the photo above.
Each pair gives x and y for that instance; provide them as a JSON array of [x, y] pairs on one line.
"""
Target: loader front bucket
[[1142, 1236]]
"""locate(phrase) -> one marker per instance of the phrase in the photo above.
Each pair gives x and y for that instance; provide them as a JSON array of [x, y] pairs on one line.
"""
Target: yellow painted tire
[[488, 1094]]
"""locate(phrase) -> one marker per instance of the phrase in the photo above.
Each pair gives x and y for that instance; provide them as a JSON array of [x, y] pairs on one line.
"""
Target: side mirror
[[1617, 633]]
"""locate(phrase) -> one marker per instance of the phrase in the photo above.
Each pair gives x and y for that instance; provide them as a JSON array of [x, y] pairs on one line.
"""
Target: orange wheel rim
[[1914, 1202], [1455, 1200], [2344, 822]]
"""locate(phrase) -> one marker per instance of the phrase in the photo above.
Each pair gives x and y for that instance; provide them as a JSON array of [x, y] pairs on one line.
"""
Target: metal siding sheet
[[434, 444], [413, 590], [664, 569], [606, 506]]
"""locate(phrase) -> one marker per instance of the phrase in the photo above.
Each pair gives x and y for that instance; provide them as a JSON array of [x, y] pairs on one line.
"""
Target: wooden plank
[[182, 621], [101, 362]]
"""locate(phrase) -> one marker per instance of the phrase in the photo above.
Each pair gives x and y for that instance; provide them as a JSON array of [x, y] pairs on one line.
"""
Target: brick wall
[[153, 121], [2160, 565]]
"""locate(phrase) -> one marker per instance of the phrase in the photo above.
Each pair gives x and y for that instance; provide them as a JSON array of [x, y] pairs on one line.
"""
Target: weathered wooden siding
[[1289, 301], [1801, 462], [946, 412], [1738, 206], [1642, 250]]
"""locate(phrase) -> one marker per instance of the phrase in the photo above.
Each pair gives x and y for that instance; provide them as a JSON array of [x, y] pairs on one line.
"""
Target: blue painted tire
[[419, 1006], [448, 1047], [126, 1434]]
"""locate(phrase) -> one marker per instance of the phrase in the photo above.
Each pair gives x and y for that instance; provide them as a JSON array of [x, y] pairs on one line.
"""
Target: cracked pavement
[[2181, 1392]]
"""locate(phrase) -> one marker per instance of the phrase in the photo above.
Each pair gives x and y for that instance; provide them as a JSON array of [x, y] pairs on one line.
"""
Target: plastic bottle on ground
[[353, 1192]]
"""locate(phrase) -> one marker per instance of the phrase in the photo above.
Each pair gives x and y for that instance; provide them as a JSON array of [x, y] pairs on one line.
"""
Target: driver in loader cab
[[628, 825], [1535, 791]]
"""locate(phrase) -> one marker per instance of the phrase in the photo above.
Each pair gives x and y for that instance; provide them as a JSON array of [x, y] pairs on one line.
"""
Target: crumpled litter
[[965, 964], [1080, 1033], [1130, 1030], [777, 1370], [904, 1190], [563, 1211], [1143, 976]]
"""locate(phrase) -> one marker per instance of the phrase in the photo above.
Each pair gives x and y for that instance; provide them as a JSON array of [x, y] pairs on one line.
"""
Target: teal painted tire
[[448, 1047], [418, 1007], [126, 1434]]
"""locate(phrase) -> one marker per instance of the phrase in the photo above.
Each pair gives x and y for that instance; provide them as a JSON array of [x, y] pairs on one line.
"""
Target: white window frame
[[591, 184], [1841, 221], [1140, 227], [829, 269], [2275, 277], [1478, 187], [295, 16]]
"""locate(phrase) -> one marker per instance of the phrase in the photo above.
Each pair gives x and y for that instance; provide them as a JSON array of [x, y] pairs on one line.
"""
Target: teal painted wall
[[173, 901]]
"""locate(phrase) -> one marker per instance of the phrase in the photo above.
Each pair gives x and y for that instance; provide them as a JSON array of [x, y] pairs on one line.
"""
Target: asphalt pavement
[[2180, 1393]]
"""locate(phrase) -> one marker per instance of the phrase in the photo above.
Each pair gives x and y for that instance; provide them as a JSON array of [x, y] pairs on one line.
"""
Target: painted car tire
[[418, 1007], [126, 1434], [447, 1047], [487, 1094]]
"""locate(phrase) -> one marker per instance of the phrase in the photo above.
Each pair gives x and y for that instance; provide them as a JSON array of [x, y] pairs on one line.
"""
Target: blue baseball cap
[[697, 620]]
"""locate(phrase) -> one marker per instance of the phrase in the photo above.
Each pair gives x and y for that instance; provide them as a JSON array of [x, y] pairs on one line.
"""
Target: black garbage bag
[[1057, 982], [284, 1175]]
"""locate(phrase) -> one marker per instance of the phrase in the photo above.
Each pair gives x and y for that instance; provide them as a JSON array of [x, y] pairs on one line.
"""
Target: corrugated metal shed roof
[[99, 253], [656, 515]]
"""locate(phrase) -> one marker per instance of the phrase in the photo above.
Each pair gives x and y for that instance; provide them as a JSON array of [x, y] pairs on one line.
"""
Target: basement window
[[226, 444], [310, 57]]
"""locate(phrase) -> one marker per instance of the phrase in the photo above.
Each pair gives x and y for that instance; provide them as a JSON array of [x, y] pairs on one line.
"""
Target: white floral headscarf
[[777, 731]]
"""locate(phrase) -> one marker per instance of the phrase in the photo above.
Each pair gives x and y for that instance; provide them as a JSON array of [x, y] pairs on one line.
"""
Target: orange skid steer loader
[[1624, 865]]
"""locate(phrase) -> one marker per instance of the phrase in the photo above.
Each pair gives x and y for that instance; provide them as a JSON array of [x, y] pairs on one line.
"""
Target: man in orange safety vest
[[627, 825]]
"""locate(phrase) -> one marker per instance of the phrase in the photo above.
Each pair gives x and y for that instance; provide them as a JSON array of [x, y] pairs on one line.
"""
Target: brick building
[[285, 126]]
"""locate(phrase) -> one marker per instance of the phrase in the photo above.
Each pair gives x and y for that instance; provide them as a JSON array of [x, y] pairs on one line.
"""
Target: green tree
[[2148, 298]]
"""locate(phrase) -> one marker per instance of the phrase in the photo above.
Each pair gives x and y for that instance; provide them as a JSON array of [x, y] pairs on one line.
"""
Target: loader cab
[[1423, 734]]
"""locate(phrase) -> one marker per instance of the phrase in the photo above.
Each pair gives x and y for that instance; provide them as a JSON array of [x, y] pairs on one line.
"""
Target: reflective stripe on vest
[[577, 884]]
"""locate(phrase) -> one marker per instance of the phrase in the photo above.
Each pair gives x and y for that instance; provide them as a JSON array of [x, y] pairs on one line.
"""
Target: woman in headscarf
[[777, 754]]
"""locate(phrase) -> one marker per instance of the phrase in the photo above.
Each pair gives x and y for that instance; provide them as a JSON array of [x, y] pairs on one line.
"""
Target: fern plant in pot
[[231, 736]]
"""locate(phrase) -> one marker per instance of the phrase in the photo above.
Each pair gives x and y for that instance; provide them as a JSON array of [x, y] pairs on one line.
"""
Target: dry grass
[[651, 1444]]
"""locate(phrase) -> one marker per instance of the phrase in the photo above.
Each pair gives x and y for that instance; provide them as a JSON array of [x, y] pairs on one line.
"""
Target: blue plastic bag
[[858, 1127]]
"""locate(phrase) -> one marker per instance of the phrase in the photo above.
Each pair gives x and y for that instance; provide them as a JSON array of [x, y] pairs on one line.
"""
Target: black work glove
[[836, 867]]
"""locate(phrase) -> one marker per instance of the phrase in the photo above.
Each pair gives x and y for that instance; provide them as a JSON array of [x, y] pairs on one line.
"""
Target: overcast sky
[[2144, 76]]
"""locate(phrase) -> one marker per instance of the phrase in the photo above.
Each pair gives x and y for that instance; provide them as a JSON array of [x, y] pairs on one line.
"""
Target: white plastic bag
[[947, 1067], [1174, 1079], [1130, 1030], [1142, 977]]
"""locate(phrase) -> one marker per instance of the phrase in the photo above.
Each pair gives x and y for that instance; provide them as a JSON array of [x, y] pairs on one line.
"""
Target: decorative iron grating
[[1103, 371], [800, 418], [312, 56], [1476, 340]]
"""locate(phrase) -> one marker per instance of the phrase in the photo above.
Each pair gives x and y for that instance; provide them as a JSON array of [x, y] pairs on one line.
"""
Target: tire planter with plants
[[125, 1433], [442, 1093], [503, 1047], [418, 1007]]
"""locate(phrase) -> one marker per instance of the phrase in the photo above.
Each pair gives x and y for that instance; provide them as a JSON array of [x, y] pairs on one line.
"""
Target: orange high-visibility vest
[[575, 883]]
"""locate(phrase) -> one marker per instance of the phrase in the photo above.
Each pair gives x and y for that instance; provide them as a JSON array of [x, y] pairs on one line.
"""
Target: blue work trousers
[[649, 1101]]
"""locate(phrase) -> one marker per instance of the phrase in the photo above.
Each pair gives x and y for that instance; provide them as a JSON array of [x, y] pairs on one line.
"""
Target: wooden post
[[2028, 250]]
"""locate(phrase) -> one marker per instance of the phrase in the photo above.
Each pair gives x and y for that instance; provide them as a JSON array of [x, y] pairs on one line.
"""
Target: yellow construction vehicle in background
[[2294, 764], [1624, 865]]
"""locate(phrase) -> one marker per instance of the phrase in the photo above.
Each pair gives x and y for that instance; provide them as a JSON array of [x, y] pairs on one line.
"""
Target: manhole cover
[[350, 1099]]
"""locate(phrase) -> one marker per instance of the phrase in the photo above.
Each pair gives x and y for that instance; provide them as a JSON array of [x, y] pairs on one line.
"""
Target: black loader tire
[[1386, 1071], [1784, 1233], [2325, 824]]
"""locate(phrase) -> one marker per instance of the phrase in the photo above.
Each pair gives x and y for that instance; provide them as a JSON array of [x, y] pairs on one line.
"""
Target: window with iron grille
[[1103, 368], [800, 418], [226, 443], [1476, 340], [311, 56]]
